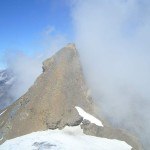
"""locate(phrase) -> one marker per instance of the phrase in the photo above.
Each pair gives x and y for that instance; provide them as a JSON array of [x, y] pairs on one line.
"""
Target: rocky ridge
[[50, 103]]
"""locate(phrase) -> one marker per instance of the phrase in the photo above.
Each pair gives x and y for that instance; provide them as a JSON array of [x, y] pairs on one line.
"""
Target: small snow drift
[[3, 112], [88, 117], [66, 139]]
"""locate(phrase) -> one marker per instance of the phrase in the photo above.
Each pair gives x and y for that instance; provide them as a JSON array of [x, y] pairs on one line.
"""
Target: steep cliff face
[[53, 100]]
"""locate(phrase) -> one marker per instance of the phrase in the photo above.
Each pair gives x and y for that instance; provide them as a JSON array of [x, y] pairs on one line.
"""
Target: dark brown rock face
[[50, 102]]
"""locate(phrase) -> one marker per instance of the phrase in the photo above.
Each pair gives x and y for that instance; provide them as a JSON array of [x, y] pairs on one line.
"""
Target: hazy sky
[[23, 23]]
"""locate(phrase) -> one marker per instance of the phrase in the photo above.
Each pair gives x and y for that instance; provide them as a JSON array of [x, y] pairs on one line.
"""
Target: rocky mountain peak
[[50, 102], [58, 98], [65, 54]]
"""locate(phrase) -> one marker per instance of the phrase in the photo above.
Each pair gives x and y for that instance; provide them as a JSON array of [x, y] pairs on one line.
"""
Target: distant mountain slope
[[6, 82], [59, 98]]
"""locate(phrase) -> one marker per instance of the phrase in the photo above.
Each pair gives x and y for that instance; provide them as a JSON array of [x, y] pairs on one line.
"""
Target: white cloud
[[113, 42]]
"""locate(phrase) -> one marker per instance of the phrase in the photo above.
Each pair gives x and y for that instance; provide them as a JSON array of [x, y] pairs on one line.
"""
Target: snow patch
[[89, 117], [3, 112], [1, 138], [70, 138], [10, 81]]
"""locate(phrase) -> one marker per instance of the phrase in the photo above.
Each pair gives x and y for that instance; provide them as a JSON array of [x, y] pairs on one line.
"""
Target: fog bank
[[113, 42]]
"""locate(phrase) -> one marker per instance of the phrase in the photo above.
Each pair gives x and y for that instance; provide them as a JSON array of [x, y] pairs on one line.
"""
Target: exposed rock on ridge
[[50, 102]]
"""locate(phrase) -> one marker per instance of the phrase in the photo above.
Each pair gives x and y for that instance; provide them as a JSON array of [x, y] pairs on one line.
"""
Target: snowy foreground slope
[[70, 138]]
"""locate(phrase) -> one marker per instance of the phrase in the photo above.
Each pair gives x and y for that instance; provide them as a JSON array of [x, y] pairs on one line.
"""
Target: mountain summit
[[59, 98]]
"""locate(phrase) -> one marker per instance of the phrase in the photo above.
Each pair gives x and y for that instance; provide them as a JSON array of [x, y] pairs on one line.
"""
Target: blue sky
[[22, 23]]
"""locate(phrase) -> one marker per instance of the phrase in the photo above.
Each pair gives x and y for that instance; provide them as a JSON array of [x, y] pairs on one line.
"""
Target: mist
[[113, 41]]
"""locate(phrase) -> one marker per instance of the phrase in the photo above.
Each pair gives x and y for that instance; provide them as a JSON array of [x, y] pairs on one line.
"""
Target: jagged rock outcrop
[[50, 102]]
